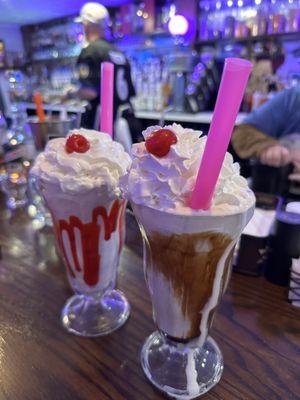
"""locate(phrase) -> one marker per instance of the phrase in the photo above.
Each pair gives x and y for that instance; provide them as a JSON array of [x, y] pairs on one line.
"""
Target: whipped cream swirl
[[99, 167], [167, 183]]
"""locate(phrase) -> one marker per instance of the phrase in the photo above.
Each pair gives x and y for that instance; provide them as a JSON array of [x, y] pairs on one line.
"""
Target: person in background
[[95, 20], [265, 132]]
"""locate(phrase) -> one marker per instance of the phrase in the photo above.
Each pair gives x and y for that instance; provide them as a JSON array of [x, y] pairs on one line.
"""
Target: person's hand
[[275, 156], [295, 155], [69, 93]]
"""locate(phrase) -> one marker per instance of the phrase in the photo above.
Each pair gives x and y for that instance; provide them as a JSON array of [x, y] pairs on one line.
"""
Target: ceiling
[[24, 12]]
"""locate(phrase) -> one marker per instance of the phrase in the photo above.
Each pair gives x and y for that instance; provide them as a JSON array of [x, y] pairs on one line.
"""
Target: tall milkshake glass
[[187, 264], [80, 190], [187, 255]]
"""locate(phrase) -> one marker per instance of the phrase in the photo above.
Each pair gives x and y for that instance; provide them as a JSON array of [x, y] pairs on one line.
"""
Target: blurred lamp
[[178, 25]]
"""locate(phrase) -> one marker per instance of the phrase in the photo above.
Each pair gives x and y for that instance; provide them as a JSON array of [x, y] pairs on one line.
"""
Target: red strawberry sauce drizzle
[[90, 235]]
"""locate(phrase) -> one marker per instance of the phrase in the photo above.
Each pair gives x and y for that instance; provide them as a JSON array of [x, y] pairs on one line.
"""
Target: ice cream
[[187, 252], [79, 177]]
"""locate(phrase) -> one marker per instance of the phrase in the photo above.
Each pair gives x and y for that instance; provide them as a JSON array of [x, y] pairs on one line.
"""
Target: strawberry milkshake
[[79, 179]]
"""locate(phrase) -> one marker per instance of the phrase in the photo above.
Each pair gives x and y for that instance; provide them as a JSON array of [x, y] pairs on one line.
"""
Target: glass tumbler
[[14, 185]]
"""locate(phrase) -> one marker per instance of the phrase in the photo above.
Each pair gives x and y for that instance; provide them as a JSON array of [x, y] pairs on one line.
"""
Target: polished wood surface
[[256, 328]]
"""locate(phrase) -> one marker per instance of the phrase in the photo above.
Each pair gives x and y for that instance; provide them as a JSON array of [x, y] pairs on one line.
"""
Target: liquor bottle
[[17, 144], [3, 129]]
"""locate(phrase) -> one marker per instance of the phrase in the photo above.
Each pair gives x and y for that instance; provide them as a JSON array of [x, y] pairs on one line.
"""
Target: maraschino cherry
[[77, 143], [160, 142]]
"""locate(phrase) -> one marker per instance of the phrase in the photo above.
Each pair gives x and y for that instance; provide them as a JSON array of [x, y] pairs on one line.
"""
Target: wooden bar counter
[[257, 329]]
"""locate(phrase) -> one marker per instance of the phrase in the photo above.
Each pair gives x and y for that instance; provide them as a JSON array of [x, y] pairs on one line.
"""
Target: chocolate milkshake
[[79, 179], [187, 253], [187, 267]]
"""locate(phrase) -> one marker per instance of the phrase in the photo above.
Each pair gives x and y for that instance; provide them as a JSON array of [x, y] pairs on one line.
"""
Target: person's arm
[[271, 117], [249, 141], [87, 93], [258, 135], [84, 93]]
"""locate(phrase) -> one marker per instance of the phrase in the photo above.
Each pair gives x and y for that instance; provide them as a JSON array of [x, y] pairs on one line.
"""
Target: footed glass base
[[181, 370], [95, 316]]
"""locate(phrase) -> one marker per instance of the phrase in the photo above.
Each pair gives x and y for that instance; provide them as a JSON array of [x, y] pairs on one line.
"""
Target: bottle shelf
[[286, 36]]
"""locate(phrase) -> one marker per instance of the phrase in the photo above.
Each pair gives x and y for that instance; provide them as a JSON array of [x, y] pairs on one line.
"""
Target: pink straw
[[107, 95], [233, 84]]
